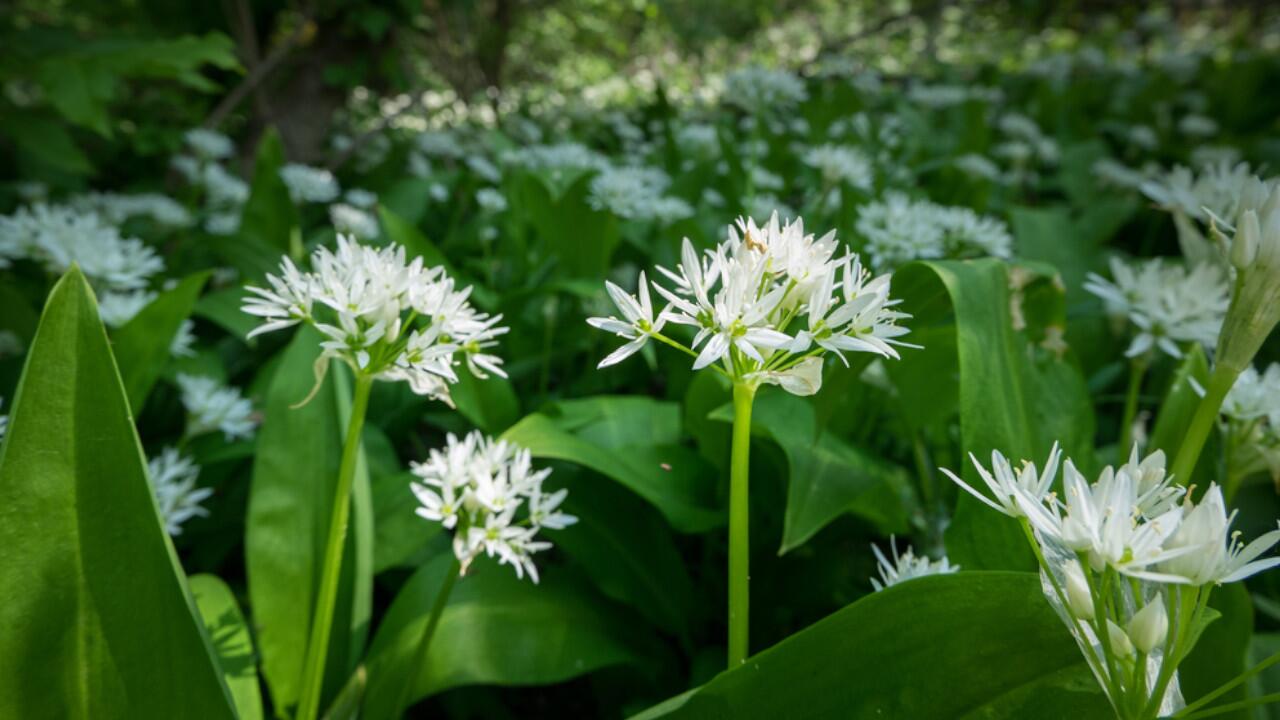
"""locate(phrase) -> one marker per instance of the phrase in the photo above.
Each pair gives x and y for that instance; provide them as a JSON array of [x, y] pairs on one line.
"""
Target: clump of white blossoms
[[1220, 190], [898, 229], [352, 220], [116, 208], [488, 494], [637, 193], [309, 184], [906, 566], [209, 144], [385, 317], [491, 200], [213, 406], [173, 480], [841, 164], [1128, 562], [1251, 410], [765, 305], [1169, 304], [756, 89]]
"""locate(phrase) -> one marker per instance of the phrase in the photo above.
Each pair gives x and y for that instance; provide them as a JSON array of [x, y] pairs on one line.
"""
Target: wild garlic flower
[[116, 208], [637, 193], [209, 144], [487, 493], [183, 341], [559, 157], [173, 480], [906, 566], [491, 200], [1254, 253], [899, 229], [1125, 558], [1007, 485], [841, 164], [213, 406], [351, 220], [1167, 303], [765, 305], [360, 198], [118, 308], [57, 236], [760, 90], [391, 319], [1255, 396], [309, 184]]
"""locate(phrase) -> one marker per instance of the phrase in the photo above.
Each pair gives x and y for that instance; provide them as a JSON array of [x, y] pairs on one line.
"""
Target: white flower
[[484, 168], [639, 323], [1210, 552], [1215, 191], [116, 208], [353, 221], [761, 90], [360, 197], [1166, 302], [222, 223], [636, 193], [1255, 395], [1197, 126], [59, 236], [118, 308], [978, 166], [393, 319], [1150, 626], [906, 566], [1009, 487], [209, 144], [213, 406], [439, 143], [183, 340], [173, 479], [478, 488], [899, 229], [841, 164], [309, 184], [224, 190], [1115, 173], [562, 157], [491, 200]]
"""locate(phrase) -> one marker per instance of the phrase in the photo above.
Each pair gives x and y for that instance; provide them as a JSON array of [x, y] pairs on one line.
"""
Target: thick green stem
[[1137, 370], [322, 621], [1202, 422], [420, 653], [739, 544], [1228, 686]]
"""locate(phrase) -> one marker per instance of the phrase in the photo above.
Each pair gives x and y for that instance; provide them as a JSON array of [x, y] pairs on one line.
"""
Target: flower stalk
[[1203, 421], [322, 621], [739, 524], [424, 641]]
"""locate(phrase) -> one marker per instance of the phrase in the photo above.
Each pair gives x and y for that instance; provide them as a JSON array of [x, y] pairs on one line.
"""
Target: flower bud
[[1078, 596], [1120, 643], [1150, 626], [1244, 249]]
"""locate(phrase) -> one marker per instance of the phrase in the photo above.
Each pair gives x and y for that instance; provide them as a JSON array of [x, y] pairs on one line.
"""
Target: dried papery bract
[[1127, 562], [389, 319], [765, 306]]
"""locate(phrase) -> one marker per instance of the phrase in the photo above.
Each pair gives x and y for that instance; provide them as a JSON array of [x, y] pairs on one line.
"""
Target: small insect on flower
[[487, 492]]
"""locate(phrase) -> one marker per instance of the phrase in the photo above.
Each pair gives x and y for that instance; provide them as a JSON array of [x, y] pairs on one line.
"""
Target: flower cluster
[[743, 297], [1252, 413], [757, 89], [116, 208], [352, 220], [173, 480], [898, 229], [489, 495], [637, 193], [841, 164], [906, 566], [385, 317], [213, 406], [309, 184], [1169, 304], [1128, 562]]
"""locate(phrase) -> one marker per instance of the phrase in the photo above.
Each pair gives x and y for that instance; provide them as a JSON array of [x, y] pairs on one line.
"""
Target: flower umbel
[[906, 566]]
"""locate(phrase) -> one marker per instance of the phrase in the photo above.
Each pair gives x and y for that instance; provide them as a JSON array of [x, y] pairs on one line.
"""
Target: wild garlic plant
[[389, 319], [488, 495], [1128, 562], [767, 306], [906, 566]]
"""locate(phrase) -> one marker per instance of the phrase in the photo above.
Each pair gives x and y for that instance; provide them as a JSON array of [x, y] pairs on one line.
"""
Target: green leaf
[[96, 603], [827, 476], [232, 642], [614, 421], [971, 645], [42, 138], [496, 630], [142, 345], [671, 477], [269, 218], [222, 307], [295, 469], [1180, 402], [1016, 395], [563, 220], [1221, 652], [490, 404], [399, 534]]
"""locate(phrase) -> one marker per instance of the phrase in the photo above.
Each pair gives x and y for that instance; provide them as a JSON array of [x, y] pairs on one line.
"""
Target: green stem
[[1227, 686], [1241, 705], [739, 544], [321, 624], [1202, 422], [420, 654], [1137, 371], [1180, 624]]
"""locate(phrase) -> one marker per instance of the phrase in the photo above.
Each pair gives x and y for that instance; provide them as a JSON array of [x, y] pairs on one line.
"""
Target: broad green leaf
[[627, 550], [971, 645], [827, 476], [223, 308], [491, 404], [1179, 404], [671, 477], [268, 220], [43, 142], [232, 642], [581, 238], [142, 344], [1017, 396], [1072, 243], [614, 421], [96, 605], [290, 501], [399, 533], [496, 630]]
